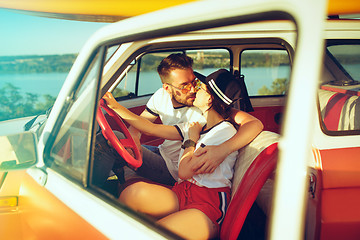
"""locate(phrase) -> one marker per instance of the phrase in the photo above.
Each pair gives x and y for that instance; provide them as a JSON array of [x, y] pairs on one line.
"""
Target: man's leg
[[154, 168], [105, 158]]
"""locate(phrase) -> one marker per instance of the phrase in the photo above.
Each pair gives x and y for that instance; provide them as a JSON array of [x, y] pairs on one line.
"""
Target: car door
[[65, 208], [333, 209]]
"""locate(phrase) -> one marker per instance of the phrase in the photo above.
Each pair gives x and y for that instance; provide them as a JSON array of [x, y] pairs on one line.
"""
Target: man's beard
[[183, 101]]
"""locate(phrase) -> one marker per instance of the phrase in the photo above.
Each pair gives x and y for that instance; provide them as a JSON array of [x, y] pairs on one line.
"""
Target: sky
[[22, 34]]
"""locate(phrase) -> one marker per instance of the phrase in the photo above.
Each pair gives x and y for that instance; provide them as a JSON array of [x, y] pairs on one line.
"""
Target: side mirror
[[18, 151]]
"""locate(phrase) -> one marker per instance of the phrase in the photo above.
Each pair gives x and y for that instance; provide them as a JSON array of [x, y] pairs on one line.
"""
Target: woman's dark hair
[[171, 62], [224, 89], [219, 106]]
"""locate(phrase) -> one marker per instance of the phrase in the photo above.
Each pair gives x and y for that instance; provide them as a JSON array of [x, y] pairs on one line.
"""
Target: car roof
[[114, 10], [339, 7], [89, 10]]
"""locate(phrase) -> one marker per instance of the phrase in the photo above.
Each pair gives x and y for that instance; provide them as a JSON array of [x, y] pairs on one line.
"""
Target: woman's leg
[[190, 224], [152, 199]]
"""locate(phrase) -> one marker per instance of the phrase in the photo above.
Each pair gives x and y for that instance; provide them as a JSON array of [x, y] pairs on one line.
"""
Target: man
[[173, 104]]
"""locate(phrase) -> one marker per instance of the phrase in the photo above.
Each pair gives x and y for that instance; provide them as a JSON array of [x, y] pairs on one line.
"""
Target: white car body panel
[[107, 219]]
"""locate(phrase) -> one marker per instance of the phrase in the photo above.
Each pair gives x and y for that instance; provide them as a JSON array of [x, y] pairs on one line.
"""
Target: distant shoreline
[[63, 63], [36, 63]]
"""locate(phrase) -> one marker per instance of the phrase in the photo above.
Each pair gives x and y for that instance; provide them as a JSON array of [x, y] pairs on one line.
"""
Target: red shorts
[[211, 201]]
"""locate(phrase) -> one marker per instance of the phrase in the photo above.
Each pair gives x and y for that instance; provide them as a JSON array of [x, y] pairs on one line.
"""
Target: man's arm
[[142, 124], [148, 127], [210, 157], [186, 162], [136, 134]]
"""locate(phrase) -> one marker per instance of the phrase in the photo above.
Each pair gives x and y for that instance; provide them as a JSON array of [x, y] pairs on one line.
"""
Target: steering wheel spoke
[[126, 143]]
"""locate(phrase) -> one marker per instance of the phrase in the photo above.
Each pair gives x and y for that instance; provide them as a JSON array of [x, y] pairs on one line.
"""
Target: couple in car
[[198, 154]]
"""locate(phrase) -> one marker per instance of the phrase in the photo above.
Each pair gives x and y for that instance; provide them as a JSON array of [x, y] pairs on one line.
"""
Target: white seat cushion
[[246, 156]]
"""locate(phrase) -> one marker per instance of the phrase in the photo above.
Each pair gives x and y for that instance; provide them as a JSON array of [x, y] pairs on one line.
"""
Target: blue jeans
[[154, 149], [106, 159]]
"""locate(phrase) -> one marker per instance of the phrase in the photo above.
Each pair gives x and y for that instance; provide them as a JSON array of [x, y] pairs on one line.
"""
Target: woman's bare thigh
[[152, 199], [190, 224]]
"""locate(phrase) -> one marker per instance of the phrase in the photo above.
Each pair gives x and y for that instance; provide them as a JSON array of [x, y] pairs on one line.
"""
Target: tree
[[10, 99], [14, 105], [44, 106], [278, 87]]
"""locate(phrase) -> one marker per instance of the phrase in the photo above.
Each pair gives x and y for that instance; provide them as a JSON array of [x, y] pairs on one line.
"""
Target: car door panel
[[333, 209], [270, 117], [43, 216], [39, 214]]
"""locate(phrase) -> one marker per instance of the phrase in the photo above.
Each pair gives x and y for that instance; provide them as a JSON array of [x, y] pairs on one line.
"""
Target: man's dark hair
[[172, 62]]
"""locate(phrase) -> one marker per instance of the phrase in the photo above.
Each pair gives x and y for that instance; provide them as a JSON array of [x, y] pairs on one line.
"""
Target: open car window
[[142, 78], [266, 71]]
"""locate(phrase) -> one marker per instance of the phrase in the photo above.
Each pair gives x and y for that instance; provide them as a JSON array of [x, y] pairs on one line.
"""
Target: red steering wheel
[[118, 144]]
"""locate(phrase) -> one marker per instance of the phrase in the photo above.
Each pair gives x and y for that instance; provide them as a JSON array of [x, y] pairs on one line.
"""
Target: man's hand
[[208, 158], [110, 100]]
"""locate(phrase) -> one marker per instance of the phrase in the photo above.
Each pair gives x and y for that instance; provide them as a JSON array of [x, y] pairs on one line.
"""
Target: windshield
[[36, 55]]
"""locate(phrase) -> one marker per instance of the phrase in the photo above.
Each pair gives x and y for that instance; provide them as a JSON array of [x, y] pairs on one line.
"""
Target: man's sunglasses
[[196, 84]]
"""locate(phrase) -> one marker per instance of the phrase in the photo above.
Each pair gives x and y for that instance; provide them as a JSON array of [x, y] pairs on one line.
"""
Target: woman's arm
[[142, 124]]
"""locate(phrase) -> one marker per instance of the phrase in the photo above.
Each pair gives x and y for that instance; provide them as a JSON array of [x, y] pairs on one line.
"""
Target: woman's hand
[[194, 131]]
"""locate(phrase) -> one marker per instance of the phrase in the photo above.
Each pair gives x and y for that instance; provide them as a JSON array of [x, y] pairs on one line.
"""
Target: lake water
[[36, 83], [51, 83]]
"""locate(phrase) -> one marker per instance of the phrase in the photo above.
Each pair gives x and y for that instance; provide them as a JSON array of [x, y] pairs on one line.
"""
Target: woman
[[196, 205]]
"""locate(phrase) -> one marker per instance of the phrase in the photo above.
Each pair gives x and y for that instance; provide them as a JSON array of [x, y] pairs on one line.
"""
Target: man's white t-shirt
[[216, 135], [160, 105]]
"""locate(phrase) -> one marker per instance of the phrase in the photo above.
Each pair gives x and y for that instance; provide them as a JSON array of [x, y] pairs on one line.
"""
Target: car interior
[[263, 67], [258, 158]]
